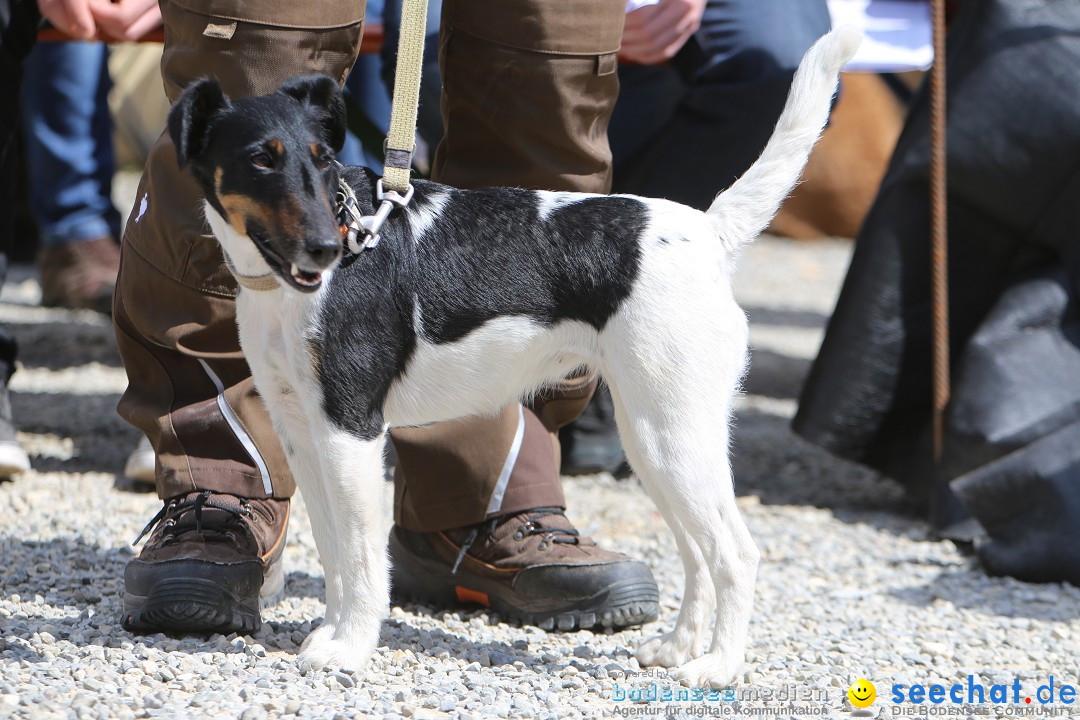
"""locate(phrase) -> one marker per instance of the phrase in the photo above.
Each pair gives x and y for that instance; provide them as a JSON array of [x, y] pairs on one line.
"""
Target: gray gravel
[[851, 584]]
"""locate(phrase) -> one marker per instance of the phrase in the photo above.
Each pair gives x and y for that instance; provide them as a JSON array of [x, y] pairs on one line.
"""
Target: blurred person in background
[[1008, 480], [70, 167]]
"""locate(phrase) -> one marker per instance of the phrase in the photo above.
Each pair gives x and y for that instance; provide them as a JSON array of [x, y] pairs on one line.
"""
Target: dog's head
[[266, 166]]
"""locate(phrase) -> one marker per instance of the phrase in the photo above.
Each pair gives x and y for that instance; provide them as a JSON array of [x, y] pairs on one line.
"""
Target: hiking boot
[[13, 459], [210, 560], [80, 274], [532, 567]]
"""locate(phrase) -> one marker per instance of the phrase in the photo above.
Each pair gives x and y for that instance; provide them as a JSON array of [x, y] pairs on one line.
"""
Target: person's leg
[[18, 28], [737, 68], [70, 165], [528, 90], [69, 146], [221, 469], [649, 99]]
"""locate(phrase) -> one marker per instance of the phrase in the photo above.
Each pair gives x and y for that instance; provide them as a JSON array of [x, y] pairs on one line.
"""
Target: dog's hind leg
[[690, 637], [688, 473], [351, 486], [674, 427], [732, 560]]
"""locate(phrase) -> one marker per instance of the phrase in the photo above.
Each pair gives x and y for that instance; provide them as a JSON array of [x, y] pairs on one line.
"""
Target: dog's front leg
[[347, 495], [290, 419]]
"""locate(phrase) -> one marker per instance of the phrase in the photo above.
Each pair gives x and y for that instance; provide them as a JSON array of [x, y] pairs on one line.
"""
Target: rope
[[939, 261], [401, 139]]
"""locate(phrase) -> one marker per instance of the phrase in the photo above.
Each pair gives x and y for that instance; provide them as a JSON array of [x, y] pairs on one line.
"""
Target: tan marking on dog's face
[[239, 209], [315, 150], [277, 146]]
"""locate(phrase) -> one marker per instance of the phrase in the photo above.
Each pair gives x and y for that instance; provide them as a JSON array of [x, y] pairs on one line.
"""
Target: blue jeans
[[365, 94], [69, 150], [686, 130]]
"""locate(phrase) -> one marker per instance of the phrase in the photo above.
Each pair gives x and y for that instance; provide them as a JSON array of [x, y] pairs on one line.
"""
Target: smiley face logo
[[862, 693]]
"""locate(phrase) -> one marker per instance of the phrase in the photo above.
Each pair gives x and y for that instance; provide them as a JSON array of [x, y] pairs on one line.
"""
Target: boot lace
[[533, 526], [175, 509]]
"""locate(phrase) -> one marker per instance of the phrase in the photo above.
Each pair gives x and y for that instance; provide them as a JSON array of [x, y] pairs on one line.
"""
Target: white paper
[[898, 34], [632, 5]]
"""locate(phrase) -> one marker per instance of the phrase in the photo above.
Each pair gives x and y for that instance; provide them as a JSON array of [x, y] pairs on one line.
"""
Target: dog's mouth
[[303, 280]]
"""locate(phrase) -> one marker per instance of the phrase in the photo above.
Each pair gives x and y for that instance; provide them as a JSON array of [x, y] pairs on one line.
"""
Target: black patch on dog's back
[[490, 254]]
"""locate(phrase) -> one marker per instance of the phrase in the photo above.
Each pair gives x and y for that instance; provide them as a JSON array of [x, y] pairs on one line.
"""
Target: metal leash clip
[[354, 224]]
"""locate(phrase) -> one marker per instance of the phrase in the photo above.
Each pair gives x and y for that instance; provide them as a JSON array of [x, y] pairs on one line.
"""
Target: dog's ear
[[323, 95], [190, 117]]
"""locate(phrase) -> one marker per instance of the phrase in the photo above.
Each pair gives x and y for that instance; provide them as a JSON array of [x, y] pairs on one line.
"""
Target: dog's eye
[[262, 160], [322, 162]]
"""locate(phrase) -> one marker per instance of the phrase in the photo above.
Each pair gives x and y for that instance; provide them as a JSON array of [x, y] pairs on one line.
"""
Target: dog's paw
[[325, 652], [320, 634], [708, 671], [669, 650]]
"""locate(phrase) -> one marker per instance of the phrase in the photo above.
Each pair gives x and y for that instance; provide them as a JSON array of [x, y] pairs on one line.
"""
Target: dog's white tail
[[747, 207]]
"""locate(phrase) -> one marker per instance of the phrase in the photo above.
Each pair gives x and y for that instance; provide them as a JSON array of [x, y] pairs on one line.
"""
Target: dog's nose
[[322, 250]]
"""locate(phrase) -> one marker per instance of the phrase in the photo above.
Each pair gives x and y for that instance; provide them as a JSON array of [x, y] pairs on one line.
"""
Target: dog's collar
[[361, 232], [259, 283]]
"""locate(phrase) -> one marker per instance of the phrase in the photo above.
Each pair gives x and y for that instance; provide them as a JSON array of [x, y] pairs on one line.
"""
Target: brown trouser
[[529, 86]]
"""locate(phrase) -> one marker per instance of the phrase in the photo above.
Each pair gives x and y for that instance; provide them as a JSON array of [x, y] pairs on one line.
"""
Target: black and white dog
[[478, 298]]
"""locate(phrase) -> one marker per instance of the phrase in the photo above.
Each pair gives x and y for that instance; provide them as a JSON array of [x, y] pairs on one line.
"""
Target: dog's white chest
[[271, 326]]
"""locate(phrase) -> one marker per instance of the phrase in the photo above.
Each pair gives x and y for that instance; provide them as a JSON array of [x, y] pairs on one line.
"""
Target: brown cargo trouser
[[529, 87]]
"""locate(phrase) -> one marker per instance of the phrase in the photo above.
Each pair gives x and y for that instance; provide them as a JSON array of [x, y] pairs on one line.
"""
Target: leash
[[401, 139], [393, 190], [939, 241]]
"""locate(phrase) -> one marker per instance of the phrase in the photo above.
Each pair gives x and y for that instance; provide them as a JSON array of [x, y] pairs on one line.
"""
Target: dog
[[477, 298]]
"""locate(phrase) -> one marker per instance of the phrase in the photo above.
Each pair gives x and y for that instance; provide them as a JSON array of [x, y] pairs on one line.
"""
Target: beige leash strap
[[401, 140], [939, 259]]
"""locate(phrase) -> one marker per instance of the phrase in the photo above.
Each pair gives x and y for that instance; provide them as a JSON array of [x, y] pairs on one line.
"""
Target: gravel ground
[[851, 583]]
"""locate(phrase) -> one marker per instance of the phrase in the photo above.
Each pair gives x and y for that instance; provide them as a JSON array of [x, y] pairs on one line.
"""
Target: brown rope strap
[[939, 259]]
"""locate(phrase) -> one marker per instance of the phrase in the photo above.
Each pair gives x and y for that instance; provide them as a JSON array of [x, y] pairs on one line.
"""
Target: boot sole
[[186, 603], [624, 603]]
